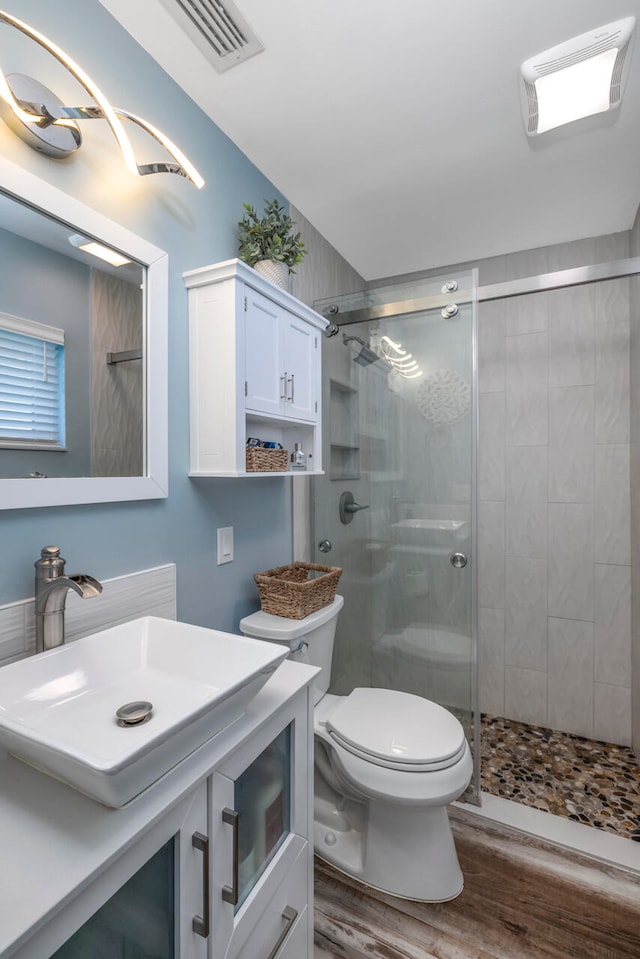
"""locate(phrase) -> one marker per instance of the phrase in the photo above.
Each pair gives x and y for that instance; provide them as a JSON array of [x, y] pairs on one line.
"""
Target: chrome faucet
[[52, 587]]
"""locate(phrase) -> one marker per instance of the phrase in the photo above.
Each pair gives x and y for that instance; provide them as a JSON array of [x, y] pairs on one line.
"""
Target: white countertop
[[53, 840]]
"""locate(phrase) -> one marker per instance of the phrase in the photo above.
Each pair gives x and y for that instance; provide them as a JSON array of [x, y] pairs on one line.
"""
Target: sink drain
[[134, 714]]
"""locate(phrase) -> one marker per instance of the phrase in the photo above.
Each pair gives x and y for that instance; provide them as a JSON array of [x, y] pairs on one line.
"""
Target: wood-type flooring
[[523, 899]]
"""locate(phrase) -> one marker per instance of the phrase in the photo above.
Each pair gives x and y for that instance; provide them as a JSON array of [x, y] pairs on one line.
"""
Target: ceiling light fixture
[[579, 78], [97, 249], [40, 118]]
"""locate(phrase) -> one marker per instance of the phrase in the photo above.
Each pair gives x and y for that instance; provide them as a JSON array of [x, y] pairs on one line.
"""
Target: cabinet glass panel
[[137, 922], [262, 801]]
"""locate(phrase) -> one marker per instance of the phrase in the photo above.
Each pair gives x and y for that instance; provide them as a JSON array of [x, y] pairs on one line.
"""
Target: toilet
[[387, 763]]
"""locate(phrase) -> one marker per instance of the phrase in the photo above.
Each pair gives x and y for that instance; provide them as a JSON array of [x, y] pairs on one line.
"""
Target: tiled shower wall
[[118, 426], [554, 498], [322, 273]]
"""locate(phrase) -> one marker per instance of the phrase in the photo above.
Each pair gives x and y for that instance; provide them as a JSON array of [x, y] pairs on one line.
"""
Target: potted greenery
[[268, 243]]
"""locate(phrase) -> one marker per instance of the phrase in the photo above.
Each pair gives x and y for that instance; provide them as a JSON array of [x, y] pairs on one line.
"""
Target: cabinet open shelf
[[259, 475]]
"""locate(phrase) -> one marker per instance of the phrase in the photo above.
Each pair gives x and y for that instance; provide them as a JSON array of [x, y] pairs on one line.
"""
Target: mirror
[[100, 327]]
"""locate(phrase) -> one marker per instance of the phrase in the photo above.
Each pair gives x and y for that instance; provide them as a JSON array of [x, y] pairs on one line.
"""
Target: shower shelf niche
[[344, 462], [344, 448]]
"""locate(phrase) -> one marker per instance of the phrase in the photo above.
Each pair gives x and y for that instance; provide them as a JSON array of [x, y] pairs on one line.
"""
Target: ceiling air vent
[[218, 30]]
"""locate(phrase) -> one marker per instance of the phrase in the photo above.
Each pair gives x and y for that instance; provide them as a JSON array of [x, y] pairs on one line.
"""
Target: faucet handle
[[49, 552], [51, 564]]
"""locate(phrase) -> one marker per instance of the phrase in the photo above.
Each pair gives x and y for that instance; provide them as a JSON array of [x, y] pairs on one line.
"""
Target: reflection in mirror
[[84, 302], [71, 351]]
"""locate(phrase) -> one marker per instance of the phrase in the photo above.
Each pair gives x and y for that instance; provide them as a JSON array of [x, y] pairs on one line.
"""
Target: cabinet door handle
[[200, 924], [293, 387], [230, 893], [283, 380], [289, 914]]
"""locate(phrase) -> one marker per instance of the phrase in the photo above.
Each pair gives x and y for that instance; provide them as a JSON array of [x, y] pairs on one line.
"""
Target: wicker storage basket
[[260, 460], [289, 591]]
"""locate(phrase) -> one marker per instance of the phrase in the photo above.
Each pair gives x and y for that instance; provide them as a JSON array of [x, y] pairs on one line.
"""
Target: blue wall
[[195, 228]]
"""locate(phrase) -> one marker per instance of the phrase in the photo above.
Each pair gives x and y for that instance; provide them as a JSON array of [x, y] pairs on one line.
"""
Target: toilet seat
[[397, 730]]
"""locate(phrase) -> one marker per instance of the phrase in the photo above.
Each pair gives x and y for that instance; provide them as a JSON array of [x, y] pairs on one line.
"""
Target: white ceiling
[[395, 127]]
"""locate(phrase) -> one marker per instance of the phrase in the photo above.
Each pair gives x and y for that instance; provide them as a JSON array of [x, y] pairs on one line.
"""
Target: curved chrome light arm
[[104, 111], [182, 166]]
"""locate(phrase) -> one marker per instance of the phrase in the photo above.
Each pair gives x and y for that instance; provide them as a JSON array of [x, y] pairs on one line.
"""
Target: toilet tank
[[310, 640]]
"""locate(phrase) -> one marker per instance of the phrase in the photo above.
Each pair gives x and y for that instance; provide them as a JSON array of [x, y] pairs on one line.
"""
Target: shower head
[[366, 354]]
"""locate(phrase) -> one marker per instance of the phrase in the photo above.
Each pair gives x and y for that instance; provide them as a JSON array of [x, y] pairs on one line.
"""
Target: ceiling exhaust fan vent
[[594, 44], [579, 78], [217, 29]]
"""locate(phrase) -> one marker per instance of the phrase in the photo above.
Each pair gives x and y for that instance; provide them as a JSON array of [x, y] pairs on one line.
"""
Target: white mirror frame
[[67, 491]]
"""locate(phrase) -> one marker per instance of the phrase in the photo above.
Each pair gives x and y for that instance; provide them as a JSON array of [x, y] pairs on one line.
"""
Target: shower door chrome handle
[[458, 560]]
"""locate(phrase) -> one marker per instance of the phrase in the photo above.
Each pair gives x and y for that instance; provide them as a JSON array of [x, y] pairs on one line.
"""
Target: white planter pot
[[272, 270]]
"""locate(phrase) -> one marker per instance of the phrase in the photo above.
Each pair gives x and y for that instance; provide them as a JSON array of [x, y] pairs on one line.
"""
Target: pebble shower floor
[[595, 783]]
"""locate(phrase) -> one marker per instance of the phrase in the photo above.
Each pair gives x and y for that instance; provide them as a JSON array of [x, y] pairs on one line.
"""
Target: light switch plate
[[225, 545]]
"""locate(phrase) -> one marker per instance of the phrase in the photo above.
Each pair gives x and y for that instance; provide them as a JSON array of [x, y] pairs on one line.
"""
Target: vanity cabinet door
[[259, 823], [162, 909], [282, 929]]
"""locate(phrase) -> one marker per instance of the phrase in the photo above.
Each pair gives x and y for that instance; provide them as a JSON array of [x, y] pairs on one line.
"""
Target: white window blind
[[32, 409]]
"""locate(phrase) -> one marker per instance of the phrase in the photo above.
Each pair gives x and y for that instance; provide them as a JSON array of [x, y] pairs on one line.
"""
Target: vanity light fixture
[[98, 249], [40, 118], [579, 78]]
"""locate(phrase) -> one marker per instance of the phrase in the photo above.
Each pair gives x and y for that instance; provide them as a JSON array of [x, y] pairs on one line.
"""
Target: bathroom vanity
[[214, 860]]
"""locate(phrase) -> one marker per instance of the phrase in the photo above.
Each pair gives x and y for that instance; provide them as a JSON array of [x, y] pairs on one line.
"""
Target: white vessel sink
[[58, 709]]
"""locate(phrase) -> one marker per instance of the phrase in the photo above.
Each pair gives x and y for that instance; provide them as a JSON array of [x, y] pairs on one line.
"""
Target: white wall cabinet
[[254, 369], [224, 872], [281, 361]]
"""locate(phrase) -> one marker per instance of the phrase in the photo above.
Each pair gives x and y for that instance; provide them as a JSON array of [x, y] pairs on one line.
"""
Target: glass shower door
[[397, 502]]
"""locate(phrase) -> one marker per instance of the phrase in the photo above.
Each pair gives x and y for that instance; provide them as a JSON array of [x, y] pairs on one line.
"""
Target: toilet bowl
[[386, 765]]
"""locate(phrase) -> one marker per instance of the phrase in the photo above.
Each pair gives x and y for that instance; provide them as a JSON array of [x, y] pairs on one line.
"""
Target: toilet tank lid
[[263, 625]]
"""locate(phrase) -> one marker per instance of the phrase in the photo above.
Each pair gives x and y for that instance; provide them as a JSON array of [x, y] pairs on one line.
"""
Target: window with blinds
[[32, 408]]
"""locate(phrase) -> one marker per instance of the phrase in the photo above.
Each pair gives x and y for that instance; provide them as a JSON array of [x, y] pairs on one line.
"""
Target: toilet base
[[407, 852]]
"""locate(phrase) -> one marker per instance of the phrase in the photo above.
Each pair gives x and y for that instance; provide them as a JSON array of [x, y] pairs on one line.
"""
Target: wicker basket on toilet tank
[[298, 589]]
